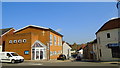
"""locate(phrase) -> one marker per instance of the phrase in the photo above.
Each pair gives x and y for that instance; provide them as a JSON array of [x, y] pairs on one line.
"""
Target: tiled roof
[[111, 24], [2, 31]]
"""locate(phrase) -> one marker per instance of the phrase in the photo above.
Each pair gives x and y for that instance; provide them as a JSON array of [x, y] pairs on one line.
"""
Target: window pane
[[108, 35]]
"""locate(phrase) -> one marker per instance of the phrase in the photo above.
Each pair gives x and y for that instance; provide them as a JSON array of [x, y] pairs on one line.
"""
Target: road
[[62, 65]]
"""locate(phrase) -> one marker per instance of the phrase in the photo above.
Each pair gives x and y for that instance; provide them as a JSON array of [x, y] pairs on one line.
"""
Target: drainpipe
[[48, 51]]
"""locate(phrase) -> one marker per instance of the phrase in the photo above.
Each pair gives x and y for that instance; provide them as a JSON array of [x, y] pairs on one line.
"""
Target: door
[[3, 49], [6, 58], [41, 54], [33, 54], [37, 54]]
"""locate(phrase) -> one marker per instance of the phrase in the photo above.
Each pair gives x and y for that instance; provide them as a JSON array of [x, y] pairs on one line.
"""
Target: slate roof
[[2, 31], [111, 24]]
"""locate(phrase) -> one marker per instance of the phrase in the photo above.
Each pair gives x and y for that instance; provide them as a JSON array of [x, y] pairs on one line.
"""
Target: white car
[[10, 57]]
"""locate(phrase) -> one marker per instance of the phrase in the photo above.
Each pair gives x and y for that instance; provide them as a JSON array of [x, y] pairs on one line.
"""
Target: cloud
[[58, 30]]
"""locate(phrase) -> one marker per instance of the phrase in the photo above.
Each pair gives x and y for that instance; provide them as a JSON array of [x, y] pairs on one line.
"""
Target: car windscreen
[[14, 54]]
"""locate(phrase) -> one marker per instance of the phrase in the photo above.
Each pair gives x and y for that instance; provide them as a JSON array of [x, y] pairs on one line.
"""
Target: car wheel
[[13, 61]]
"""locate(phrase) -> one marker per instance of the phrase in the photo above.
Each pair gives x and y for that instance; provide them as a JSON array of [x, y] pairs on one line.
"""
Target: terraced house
[[35, 43]]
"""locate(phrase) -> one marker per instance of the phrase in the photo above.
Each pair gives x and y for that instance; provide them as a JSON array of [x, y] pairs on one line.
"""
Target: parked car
[[78, 58], [61, 57], [10, 57]]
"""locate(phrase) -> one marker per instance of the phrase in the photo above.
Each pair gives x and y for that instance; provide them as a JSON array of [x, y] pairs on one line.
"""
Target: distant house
[[66, 49], [108, 40], [3, 33], [91, 51], [80, 50]]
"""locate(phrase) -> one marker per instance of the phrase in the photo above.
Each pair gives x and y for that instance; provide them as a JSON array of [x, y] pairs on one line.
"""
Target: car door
[[7, 58]]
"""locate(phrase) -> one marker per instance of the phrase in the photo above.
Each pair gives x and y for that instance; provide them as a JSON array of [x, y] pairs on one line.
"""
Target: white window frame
[[55, 41], [51, 53], [51, 37], [60, 42], [10, 41], [20, 41], [15, 41], [55, 52], [24, 40]]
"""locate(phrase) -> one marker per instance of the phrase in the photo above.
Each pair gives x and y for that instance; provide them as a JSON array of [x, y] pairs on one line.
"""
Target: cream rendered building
[[66, 50], [108, 40]]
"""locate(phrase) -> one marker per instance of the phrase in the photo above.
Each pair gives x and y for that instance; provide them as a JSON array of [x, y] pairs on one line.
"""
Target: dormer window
[[10, 41], [108, 35]]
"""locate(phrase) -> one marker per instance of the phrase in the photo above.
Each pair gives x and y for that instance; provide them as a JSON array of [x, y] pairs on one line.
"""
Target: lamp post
[[118, 7]]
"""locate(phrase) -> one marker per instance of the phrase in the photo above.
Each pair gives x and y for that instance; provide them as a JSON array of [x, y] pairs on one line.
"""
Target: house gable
[[37, 43], [6, 31]]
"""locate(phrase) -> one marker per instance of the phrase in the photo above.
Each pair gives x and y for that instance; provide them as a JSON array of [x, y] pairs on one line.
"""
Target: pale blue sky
[[77, 21], [0, 15], [59, 0]]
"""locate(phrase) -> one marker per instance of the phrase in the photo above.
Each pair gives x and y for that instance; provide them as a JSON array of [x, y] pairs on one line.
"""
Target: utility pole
[[118, 7]]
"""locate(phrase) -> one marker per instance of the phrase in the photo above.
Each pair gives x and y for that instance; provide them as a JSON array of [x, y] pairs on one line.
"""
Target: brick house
[[35, 43], [3, 33]]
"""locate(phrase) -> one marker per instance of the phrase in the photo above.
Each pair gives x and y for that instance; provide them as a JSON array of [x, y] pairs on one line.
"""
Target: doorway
[[38, 54], [3, 46], [38, 51]]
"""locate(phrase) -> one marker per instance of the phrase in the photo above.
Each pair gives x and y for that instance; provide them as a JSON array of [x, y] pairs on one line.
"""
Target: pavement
[[54, 61], [29, 61]]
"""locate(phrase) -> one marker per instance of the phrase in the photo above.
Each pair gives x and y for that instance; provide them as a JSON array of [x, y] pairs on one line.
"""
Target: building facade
[[91, 51], [35, 43], [3, 33], [66, 49], [108, 38]]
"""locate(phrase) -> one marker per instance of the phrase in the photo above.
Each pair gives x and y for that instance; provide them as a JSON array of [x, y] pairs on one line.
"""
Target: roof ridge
[[111, 24]]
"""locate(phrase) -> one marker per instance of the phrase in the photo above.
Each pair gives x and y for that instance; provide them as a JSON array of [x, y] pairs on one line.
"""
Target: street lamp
[[118, 7]]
